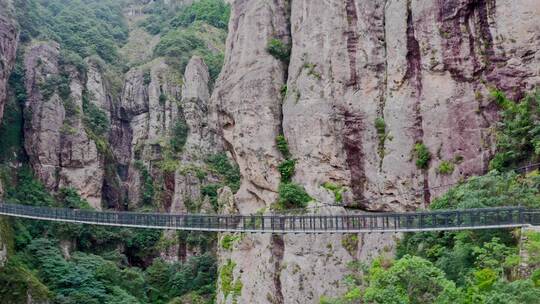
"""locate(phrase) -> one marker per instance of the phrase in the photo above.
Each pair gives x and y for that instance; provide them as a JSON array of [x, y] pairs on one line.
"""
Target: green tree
[[409, 280]]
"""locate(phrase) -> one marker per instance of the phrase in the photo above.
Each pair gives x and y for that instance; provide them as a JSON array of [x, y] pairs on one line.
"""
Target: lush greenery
[[189, 30], [163, 19], [458, 267], [213, 12], [82, 27], [96, 271], [518, 139]]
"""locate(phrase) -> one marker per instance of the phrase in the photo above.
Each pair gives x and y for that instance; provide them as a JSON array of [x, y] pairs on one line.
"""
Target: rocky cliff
[[9, 35], [60, 149], [382, 100]]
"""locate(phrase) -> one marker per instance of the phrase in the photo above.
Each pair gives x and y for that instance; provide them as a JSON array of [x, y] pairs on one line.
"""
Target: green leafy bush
[[283, 146], [409, 280], [422, 155], [279, 49], [292, 196], [220, 164], [445, 167], [286, 169], [213, 12], [518, 137]]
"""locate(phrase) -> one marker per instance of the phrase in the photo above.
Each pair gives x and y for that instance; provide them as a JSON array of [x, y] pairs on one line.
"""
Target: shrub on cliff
[[518, 137], [292, 195], [422, 155], [279, 49]]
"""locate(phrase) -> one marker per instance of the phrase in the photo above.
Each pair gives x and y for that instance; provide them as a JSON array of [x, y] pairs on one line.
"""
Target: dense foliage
[[82, 27], [213, 12], [163, 19], [179, 45], [518, 139], [96, 271]]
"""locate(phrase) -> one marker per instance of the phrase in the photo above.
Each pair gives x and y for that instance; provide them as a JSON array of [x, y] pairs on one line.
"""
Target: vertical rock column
[[247, 96], [248, 102], [9, 36], [60, 151]]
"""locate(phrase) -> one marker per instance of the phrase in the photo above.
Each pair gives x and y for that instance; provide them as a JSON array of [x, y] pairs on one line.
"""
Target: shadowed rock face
[[9, 35], [423, 67]]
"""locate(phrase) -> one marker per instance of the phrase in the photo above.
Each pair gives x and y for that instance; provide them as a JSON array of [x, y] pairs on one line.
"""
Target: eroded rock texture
[[9, 35], [423, 69], [60, 151], [248, 99]]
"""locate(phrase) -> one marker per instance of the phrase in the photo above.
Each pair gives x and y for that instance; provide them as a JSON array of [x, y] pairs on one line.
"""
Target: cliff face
[[423, 69], [9, 35], [367, 84], [60, 150]]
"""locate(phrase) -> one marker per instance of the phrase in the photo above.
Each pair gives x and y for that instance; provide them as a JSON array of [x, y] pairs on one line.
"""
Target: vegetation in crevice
[[337, 190], [230, 285], [229, 240], [422, 156], [380, 126], [147, 184], [350, 243], [291, 195], [179, 135], [279, 49], [445, 167]]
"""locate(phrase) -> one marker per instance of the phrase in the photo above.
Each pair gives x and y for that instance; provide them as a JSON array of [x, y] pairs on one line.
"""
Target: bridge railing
[[364, 222]]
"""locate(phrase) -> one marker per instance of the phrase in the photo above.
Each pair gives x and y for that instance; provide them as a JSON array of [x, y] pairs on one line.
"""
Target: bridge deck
[[507, 217]]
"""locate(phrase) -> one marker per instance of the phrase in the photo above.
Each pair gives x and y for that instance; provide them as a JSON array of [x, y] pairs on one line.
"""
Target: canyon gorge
[[371, 106]]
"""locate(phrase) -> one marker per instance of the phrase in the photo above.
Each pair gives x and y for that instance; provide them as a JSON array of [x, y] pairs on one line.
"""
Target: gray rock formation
[[248, 100], [143, 120], [60, 151], [9, 35], [421, 69]]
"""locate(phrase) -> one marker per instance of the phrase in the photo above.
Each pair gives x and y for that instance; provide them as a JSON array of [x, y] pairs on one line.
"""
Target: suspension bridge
[[358, 222], [447, 220]]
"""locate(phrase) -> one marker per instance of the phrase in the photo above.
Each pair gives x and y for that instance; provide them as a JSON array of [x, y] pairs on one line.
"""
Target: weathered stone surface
[[247, 98], [9, 35], [422, 67], [143, 120], [42, 129], [195, 97], [98, 90], [59, 149]]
